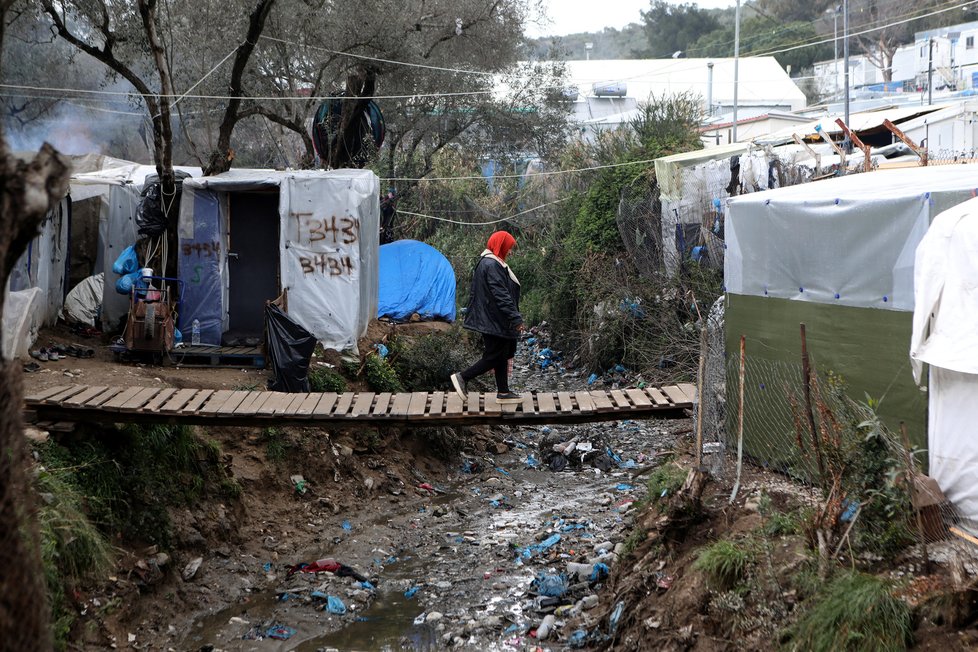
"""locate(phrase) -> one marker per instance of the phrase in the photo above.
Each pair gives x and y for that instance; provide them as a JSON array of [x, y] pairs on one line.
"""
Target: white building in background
[[955, 64], [608, 93]]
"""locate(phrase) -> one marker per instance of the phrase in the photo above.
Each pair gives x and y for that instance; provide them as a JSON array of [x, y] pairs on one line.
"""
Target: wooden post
[[868, 162], [917, 149], [740, 422], [806, 372], [812, 152], [912, 486], [701, 385], [835, 146]]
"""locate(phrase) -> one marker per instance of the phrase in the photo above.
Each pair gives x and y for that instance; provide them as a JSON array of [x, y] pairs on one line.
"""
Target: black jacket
[[494, 302]]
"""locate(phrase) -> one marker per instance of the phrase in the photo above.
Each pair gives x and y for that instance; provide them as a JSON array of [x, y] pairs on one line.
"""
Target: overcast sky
[[573, 16]]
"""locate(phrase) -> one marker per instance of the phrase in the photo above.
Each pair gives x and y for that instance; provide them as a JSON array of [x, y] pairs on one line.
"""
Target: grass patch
[[665, 481], [725, 562], [326, 379], [425, 363], [276, 446], [855, 612]]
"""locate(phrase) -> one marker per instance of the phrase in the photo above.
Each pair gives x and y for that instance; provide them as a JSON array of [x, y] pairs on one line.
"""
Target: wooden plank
[[153, 405], [689, 389], [639, 398], [602, 402], [37, 397], [216, 400], [251, 404], [565, 402], [584, 403], [136, 402], [233, 401], [675, 394], [400, 405], [454, 404], [178, 400], [98, 400], [288, 408], [437, 404], [120, 399], [61, 396], [493, 408], [325, 404], [382, 404], [343, 404], [80, 399], [620, 399], [527, 406], [546, 402], [276, 401], [419, 401], [657, 396], [306, 407], [472, 403], [361, 405], [193, 405]]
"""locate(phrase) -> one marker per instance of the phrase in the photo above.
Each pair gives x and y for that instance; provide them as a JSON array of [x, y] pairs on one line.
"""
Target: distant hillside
[[610, 43]]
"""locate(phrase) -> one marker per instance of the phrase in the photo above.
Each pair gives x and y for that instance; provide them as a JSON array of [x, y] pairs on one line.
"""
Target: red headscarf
[[500, 243]]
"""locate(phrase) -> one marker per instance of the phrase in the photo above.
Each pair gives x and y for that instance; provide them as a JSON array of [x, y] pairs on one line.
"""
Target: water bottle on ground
[[195, 333]]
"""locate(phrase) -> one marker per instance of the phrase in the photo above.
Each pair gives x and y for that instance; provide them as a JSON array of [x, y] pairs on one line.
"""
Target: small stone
[[434, 616], [191, 569], [369, 483]]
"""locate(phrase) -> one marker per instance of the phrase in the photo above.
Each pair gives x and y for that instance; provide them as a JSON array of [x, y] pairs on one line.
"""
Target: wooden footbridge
[[84, 403]]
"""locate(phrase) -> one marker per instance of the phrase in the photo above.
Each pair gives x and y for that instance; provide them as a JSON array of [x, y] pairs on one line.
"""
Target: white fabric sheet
[[953, 438]]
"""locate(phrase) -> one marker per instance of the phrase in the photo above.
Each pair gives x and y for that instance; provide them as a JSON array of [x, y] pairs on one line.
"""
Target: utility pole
[[930, 71], [845, 51], [709, 88], [835, 48], [736, 67]]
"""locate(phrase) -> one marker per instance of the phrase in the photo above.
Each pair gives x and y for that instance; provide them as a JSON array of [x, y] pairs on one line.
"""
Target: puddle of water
[[388, 625]]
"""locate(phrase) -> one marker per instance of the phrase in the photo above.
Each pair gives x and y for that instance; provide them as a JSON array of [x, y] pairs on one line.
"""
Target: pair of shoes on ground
[[46, 354], [502, 397]]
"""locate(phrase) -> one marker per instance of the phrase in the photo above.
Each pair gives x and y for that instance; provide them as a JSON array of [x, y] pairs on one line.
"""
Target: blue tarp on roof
[[415, 278]]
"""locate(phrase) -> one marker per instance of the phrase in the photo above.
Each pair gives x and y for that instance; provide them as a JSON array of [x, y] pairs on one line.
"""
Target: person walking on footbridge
[[494, 311]]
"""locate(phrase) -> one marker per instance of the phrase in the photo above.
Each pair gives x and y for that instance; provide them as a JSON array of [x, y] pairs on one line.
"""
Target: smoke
[[74, 129]]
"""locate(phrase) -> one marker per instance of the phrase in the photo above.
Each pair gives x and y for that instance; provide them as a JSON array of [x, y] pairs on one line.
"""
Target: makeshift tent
[[248, 235], [415, 278], [113, 195], [44, 264], [837, 255], [945, 336]]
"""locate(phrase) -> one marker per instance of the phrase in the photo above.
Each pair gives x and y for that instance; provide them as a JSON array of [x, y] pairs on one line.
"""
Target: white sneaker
[[459, 384]]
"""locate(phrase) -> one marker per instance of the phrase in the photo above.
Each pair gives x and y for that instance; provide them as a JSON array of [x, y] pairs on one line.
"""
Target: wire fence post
[[806, 372], [701, 383], [740, 421]]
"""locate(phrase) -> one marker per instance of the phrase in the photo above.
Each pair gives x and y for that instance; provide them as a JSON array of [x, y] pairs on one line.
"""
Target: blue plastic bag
[[127, 262], [125, 283], [335, 606]]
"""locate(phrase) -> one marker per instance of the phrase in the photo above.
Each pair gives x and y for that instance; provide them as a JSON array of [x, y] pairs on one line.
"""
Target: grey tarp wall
[[44, 264], [328, 247], [837, 255]]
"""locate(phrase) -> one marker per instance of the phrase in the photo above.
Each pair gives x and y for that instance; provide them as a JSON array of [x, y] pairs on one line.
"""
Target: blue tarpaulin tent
[[415, 278]]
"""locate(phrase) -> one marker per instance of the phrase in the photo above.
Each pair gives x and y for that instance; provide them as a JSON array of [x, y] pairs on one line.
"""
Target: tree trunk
[[27, 191]]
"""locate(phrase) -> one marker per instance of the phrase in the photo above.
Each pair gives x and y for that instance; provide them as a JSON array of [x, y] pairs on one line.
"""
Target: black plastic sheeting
[[290, 348], [150, 214]]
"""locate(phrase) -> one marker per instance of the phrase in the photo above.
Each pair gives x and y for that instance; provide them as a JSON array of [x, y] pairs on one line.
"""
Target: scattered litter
[[335, 606], [410, 593], [300, 484], [616, 616], [280, 632], [346, 526], [541, 547]]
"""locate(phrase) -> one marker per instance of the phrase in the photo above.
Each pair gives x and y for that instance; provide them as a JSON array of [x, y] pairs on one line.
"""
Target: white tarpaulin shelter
[[945, 336], [246, 235], [117, 189], [43, 264]]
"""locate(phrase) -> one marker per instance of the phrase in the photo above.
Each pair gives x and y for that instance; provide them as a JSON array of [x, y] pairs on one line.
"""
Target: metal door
[[253, 263]]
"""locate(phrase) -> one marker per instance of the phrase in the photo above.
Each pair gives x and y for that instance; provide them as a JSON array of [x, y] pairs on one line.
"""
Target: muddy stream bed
[[452, 566]]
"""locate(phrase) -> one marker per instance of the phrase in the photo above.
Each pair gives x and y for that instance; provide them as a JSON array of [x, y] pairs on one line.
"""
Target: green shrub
[[854, 612], [425, 363], [725, 563], [326, 379], [380, 375]]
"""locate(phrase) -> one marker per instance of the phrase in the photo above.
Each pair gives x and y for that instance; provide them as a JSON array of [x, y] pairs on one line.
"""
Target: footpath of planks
[[83, 403]]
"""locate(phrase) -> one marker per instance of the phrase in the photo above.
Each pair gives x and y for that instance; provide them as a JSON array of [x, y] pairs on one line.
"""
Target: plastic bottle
[[195, 333]]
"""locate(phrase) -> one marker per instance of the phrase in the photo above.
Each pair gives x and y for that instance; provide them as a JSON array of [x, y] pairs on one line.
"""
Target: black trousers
[[496, 354]]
